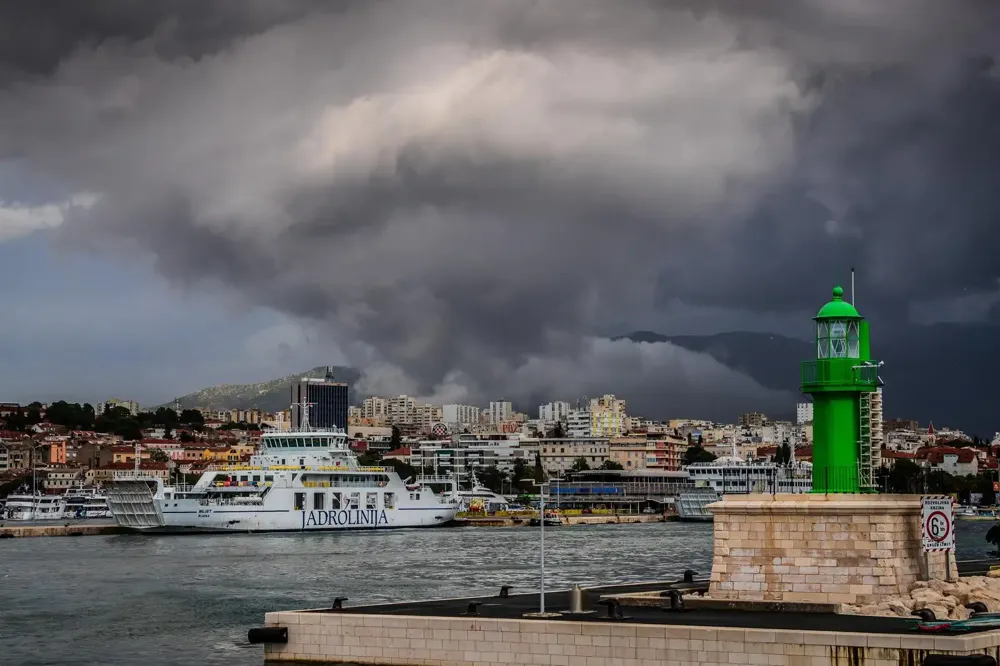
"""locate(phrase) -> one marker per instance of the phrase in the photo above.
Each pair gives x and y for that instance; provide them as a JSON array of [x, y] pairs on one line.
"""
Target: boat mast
[[304, 414]]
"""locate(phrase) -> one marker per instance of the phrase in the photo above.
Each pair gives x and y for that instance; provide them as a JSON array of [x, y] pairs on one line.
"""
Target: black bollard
[[267, 635], [473, 605], [505, 591], [338, 603], [925, 614]]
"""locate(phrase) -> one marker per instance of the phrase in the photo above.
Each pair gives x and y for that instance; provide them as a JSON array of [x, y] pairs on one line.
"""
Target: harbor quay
[[493, 631], [13, 530]]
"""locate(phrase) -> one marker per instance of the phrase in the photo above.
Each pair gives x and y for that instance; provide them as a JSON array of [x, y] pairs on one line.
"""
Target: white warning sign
[[937, 523]]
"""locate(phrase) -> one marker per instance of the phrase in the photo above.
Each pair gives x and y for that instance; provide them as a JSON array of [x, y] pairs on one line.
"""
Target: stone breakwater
[[946, 600]]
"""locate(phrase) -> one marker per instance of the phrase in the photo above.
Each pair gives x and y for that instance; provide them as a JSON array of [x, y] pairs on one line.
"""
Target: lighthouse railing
[[832, 372]]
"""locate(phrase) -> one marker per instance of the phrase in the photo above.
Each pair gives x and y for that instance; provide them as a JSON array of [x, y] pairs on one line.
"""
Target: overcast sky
[[461, 198]]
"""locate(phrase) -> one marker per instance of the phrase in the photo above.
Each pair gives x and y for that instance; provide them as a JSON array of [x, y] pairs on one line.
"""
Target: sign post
[[937, 530]]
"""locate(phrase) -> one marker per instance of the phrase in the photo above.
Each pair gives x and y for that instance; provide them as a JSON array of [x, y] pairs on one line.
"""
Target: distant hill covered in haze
[[270, 396]]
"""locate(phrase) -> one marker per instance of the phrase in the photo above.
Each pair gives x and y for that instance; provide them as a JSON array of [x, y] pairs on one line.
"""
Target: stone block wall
[[332, 638], [853, 549]]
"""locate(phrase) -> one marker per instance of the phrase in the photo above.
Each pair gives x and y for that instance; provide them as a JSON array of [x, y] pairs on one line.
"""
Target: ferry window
[[371, 501], [389, 501], [318, 501], [269, 478], [335, 501], [300, 501], [355, 500]]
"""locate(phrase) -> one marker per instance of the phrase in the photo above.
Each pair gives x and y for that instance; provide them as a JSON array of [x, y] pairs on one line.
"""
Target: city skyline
[[468, 202]]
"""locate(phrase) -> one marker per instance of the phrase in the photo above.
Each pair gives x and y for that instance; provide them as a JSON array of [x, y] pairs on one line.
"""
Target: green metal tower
[[841, 380]]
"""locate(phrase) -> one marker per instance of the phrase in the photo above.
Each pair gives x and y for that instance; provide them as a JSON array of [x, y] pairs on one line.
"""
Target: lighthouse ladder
[[866, 474]]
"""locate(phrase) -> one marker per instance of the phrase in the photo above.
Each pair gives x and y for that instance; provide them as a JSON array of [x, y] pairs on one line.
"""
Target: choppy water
[[158, 601]]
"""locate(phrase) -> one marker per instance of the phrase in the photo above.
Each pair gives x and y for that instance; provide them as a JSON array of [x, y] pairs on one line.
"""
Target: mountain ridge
[[270, 396]]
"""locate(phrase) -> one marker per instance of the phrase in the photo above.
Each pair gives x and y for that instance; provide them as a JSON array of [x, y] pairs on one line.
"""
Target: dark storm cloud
[[462, 192]]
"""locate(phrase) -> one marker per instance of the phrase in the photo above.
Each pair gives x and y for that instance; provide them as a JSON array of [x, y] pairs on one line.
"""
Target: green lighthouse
[[841, 380]]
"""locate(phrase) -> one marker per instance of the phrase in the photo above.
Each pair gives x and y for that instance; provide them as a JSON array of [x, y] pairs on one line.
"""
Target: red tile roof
[[403, 451]]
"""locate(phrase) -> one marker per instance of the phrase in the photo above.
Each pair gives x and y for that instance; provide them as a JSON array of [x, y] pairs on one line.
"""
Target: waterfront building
[[400, 410], [559, 454], [457, 416], [459, 460], [578, 423], [629, 452], [131, 405], [374, 408], [328, 398], [553, 411], [803, 413], [500, 411], [59, 479], [665, 453], [426, 417], [752, 419]]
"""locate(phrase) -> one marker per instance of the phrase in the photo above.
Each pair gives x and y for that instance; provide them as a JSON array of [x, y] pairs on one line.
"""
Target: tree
[[403, 469], [396, 438], [158, 456], [370, 459], [580, 465], [558, 430], [905, 477], [539, 474], [520, 471], [187, 438], [191, 417], [783, 455], [697, 454], [168, 433], [492, 477], [611, 465]]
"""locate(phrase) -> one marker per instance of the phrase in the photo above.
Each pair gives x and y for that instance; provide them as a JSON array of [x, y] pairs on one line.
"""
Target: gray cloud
[[456, 190]]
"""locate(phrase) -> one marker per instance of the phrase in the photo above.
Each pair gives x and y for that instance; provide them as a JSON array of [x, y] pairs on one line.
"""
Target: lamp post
[[34, 469], [541, 522]]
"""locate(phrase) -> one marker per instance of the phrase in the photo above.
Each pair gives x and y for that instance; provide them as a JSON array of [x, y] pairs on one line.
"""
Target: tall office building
[[329, 398]]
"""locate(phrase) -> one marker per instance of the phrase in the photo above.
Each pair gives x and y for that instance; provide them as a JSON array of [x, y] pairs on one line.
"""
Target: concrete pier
[[444, 633], [11, 529]]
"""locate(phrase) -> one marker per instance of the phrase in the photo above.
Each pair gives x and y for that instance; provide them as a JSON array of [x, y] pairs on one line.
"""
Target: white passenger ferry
[[297, 481]]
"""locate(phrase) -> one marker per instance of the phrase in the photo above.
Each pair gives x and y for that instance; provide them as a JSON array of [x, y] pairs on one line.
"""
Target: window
[[822, 340], [355, 501], [335, 501], [389, 501], [838, 339], [300, 501], [318, 501], [371, 500], [853, 348]]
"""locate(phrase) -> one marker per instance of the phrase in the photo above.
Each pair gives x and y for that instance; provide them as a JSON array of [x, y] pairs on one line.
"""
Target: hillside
[[269, 396]]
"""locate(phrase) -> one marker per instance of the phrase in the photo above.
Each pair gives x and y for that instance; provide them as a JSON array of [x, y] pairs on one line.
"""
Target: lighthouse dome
[[838, 308]]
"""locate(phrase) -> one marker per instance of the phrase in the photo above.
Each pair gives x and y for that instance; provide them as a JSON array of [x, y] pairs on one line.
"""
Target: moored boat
[[302, 480]]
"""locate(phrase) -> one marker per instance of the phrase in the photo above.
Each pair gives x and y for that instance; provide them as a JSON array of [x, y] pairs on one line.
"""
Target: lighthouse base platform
[[838, 549]]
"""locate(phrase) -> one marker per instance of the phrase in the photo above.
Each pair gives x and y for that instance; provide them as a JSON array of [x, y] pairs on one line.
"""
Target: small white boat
[[34, 507], [86, 502]]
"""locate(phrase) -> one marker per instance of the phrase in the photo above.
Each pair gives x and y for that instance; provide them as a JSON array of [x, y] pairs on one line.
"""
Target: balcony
[[839, 375]]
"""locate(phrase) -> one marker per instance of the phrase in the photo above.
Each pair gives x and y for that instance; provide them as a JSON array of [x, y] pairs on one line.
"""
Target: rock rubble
[[946, 600]]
